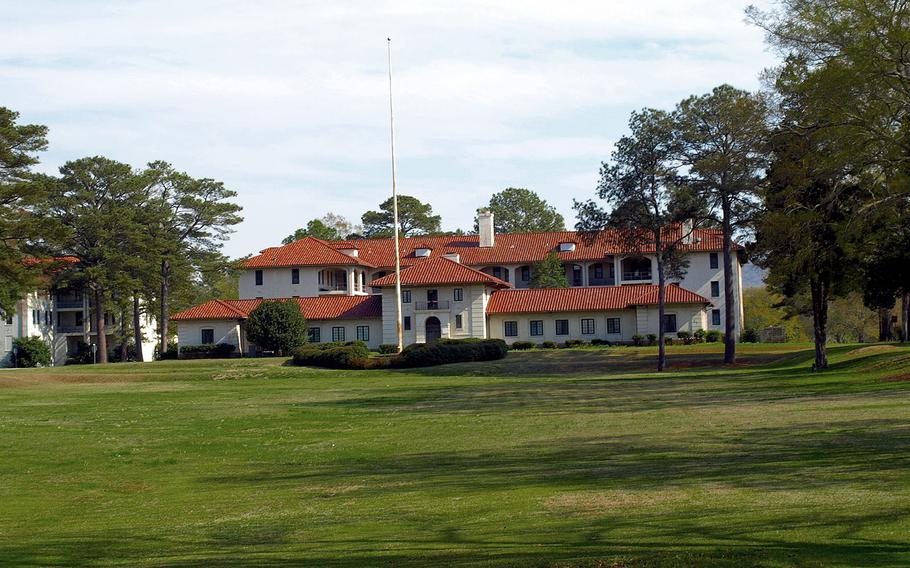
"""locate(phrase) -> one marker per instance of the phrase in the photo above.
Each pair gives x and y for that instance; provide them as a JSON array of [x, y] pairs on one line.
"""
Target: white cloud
[[286, 101]]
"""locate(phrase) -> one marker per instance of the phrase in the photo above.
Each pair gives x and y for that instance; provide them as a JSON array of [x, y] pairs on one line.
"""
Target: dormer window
[[422, 252], [567, 247]]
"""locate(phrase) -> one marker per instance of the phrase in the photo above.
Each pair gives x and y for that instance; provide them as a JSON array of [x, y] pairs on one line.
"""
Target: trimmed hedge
[[713, 336], [522, 345], [451, 351], [574, 343], [333, 355], [388, 348], [600, 343], [549, 345], [204, 351]]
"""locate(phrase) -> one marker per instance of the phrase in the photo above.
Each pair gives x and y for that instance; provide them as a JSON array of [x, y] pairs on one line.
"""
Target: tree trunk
[[661, 296], [124, 345], [729, 295], [905, 318], [820, 322], [884, 324], [137, 328], [165, 291], [100, 337]]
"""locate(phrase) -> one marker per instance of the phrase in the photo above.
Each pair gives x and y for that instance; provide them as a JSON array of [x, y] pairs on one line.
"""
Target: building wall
[[276, 283], [350, 329], [639, 321], [472, 309], [225, 331]]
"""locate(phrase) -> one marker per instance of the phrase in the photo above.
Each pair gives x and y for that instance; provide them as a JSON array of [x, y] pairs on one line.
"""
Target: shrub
[[170, 353], [277, 326], [451, 351], [652, 338], [601, 342], [712, 336], [699, 336], [685, 336], [574, 343], [32, 352], [749, 336], [522, 345], [333, 355], [638, 339], [668, 340], [84, 355], [549, 345], [388, 348], [213, 351]]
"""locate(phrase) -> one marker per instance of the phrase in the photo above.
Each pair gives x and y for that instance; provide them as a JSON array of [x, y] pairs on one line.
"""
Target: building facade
[[476, 286]]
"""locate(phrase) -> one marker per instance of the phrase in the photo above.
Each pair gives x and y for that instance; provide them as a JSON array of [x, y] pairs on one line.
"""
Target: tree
[[549, 273], [763, 308], [648, 206], [21, 196], [414, 218], [330, 227], [851, 321], [519, 210], [190, 218], [277, 326], [32, 352], [722, 143], [98, 203]]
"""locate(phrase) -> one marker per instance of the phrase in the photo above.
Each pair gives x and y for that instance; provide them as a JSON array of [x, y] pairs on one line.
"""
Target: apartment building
[[475, 286]]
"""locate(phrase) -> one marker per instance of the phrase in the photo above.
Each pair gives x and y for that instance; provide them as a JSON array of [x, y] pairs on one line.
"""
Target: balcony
[[70, 329], [430, 306], [68, 304], [636, 276]]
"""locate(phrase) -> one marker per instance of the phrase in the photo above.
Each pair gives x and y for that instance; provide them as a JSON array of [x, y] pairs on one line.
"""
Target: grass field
[[548, 458]]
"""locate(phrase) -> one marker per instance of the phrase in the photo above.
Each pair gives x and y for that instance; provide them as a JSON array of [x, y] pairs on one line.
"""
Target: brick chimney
[[485, 228]]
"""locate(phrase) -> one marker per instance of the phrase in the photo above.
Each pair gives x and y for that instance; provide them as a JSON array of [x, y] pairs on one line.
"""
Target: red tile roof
[[546, 300], [510, 248], [438, 271], [308, 251], [317, 308]]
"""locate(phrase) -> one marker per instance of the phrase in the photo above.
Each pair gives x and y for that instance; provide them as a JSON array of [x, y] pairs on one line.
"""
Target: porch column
[[350, 275], [363, 281], [584, 274]]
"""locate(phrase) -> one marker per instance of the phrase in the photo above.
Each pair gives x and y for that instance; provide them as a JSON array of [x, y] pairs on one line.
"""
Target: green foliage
[[32, 352], [330, 227], [85, 356], [749, 336], [522, 345], [414, 218], [347, 355], [685, 337], [388, 348], [699, 335], [713, 336], [600, 343], [277, 326], [638, 340], [519, 210], [569, 343], [763, 308], [205, 351], [451, 351], [652, 338], [549, 345], [549, 273]]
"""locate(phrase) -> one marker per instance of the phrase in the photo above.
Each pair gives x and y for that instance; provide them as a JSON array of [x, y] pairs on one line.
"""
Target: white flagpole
[[398, 324]]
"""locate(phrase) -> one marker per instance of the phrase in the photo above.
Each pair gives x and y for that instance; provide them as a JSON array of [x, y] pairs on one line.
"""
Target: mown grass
[[548, 458]]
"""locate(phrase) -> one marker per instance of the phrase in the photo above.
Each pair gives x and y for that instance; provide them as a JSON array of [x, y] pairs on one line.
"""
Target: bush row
[[337, 355], [356, 355], [206, 351]]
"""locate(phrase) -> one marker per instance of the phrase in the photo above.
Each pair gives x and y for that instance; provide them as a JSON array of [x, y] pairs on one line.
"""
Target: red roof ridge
[[443, 277]]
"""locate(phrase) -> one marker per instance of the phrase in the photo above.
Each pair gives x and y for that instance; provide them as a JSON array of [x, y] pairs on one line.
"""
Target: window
[[536, 327], [587, 326], [511, 329], [208, 336], [613, 325], [458, 294], [715, 317], [313, 335], [715, 289], [714, 263], [35, 317], [47, 317], [337, 334], [405, 296], [295, 276], [670, 323], [9, 319], [363, 333], [598, 271], [526, 273], [407, 323], [78, 319], [459, 321], [562, 327], [258, 278]]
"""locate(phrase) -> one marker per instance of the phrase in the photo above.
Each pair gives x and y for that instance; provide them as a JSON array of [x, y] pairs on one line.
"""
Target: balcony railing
[[63, 304], [427, 306], [627, 276], [70, 328]]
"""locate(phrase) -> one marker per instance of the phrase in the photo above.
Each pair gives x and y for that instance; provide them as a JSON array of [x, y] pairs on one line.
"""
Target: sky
[[287, 102]]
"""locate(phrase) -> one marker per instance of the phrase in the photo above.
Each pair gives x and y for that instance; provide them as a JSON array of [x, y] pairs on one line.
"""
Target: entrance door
[[433, 329]]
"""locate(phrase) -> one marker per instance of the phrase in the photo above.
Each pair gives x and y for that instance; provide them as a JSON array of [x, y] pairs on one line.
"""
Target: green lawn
[[549, 458]]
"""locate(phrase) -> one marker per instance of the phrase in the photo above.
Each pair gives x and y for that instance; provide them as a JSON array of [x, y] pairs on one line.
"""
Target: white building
[[64, 319], [475, 286]]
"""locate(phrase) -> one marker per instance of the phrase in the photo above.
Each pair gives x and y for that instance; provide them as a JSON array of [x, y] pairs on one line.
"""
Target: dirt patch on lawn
[[871, 349], [897, 378]]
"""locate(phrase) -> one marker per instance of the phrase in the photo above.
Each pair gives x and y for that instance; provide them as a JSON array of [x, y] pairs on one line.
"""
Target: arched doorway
[[433, 329]]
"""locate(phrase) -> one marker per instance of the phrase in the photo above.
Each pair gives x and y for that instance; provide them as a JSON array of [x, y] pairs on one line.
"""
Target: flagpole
[[398, 325]]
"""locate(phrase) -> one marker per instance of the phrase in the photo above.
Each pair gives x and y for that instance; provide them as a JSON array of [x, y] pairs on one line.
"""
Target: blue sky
[[286, 102]]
